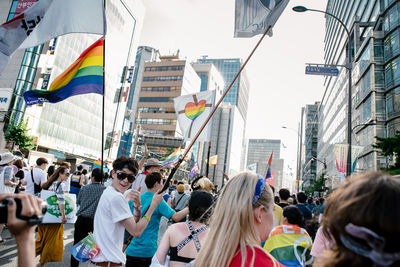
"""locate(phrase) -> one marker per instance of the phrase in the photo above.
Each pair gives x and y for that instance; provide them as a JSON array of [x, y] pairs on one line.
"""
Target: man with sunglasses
[[113, 215]]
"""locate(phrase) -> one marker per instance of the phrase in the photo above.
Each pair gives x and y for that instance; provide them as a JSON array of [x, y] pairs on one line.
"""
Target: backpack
[[36, 187]]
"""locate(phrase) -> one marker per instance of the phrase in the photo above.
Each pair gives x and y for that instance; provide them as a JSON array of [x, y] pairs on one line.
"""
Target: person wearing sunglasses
[[113, 214]]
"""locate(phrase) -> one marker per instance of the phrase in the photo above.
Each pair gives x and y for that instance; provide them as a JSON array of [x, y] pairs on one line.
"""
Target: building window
[[392, 73], [154, 99], [164, 68], [156, 110], [391, 45], [155, 121], [393, 103], [162, 78], [160, 88]]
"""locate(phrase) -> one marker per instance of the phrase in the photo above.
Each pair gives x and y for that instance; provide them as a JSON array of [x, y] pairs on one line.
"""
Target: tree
[[390, 147], [19, 134], [318, 185]]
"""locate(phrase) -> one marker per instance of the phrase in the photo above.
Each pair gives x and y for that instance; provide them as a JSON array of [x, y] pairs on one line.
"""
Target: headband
[[373, 249], [260, 187]]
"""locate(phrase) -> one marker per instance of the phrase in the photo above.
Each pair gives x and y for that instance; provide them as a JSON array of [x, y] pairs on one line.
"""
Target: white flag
[[253, 17], [47, 19], [192, 111]]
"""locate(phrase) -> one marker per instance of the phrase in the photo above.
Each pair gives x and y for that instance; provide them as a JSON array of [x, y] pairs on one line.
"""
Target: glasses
[[122, 175], [67, 174]]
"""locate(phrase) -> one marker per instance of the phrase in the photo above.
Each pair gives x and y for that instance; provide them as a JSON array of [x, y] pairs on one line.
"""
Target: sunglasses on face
[[121, 176]]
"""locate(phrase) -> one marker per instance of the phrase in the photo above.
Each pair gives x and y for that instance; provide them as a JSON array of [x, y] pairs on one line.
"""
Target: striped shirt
[[88, 199], [58, 188]]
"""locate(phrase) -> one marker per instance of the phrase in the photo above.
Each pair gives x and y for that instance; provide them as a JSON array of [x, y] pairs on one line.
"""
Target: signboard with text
[[5, 98], [326, 71]]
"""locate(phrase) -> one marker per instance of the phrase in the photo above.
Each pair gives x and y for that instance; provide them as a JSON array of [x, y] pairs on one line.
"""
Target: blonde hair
[[232, 223], [205, 184]]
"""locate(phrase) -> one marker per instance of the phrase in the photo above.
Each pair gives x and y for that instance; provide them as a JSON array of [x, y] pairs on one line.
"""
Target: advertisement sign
[[22, 5], [53, 214], [340, 151], [5, 98]]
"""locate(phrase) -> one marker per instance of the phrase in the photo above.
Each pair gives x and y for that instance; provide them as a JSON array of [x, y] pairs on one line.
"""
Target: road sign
[[326, 71]]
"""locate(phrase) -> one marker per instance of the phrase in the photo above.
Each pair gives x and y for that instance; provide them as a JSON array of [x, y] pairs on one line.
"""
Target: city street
[[8, 249]]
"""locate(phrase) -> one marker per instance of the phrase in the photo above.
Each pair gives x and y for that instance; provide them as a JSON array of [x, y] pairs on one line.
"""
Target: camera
[[34, 220]]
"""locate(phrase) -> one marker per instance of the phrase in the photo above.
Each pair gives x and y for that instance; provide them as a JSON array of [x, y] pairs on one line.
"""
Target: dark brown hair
[[370, 200], [19, 163], [54, 177]]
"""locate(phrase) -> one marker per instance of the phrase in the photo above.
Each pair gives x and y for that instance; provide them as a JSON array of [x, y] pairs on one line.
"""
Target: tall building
[[374, 56], [259, 151], [72, 128], [239, 93], [226, 142], [143, 54], [163, 81], [310, 143]]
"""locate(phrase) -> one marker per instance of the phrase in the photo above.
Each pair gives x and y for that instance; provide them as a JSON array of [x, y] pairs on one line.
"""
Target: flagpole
[[103, 100], [212, 112], [208, 158]]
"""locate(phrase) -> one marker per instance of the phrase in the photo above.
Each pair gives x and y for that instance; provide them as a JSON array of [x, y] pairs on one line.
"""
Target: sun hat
[[180, 188], [152, 162], [6, 158]]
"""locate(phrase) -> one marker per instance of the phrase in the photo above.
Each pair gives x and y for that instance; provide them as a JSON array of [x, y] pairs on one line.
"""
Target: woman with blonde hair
[[242, 219], [203, 183], [362, 222], [49, 242]]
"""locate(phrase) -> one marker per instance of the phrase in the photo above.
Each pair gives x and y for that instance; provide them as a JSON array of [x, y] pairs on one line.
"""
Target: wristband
[[136, 216], [147, 218]]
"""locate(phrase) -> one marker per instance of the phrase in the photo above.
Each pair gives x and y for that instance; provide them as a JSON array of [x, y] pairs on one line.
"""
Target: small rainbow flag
[[195, 169], [268, 172], [84, 76], [172, 159]]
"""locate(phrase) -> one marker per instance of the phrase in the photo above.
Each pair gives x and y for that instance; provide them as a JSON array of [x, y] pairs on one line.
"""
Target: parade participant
[[49, 241], [24, 234], [289, 243], [203, 184], [85, 177], [242, 219], [76, 181], [178, 241], [362, 219], [301, 200], [284, 195], [181, 199], [36, 177], [151, 165], [142, 249], [113, 215], [19, 176], [88, 199], [278, 212]]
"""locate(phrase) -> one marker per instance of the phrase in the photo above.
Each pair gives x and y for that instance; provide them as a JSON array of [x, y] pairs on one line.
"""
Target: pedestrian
[[181, 199], [284, 195], [85, 177], [242, 219], [36, 177], [289, 243], [88, 199], [49, 242], [113, 214], [203, 184], [301, 200], [151, 165], [19, 176], [278, 212], [362, 219], [141, 249], [310, 204], [76, 181], [183, 241]]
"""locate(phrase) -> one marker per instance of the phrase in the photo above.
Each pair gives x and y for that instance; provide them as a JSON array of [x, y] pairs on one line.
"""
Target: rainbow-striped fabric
[[290, 245], [172, 158], [84, 76]]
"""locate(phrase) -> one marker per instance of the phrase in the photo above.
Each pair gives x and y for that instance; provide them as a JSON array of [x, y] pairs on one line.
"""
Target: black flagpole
[[166, 185], [104, 94]]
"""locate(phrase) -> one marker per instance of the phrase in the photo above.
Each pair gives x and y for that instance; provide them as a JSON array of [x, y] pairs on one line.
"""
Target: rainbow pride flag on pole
[[268, 172], [172, 159], [84, 76]]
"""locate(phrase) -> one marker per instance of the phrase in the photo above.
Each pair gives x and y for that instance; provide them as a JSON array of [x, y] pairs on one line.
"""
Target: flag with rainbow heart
[[192, 111]]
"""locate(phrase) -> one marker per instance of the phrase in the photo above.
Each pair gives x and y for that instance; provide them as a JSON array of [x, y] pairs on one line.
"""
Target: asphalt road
[[8, 249]]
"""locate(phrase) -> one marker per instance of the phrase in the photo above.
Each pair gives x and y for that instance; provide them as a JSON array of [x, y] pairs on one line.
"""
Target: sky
[[278, 85]]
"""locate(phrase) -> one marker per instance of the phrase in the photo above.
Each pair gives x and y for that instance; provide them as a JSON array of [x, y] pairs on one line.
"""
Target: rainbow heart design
[[192, 111]]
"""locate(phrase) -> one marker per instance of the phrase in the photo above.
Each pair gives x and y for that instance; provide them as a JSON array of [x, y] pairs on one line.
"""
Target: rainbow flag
[[172, 159], [290, 245], [195, 169], [84, 76], [268, 172], [85, 249]]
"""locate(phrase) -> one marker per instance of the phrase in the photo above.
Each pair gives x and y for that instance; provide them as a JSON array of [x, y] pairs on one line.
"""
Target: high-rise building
[[239, 93], [259, 151], [310, 143], [374, 56], [72, 128], [163, 81], [143, 54]]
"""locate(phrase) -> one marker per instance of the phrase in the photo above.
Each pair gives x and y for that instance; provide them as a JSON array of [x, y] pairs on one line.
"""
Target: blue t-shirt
[[306, 214], [146, 245]]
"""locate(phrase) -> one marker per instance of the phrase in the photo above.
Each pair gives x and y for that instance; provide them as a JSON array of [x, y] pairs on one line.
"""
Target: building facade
[[372, 84], [72, 128]]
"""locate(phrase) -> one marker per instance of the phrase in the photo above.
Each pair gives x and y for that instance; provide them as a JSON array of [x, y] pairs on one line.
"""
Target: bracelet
[[147, 218], [136, 216]]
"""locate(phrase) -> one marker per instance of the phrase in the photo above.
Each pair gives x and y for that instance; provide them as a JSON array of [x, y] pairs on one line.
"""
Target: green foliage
[[19, 134], [168, 151], [389, 147], [318, 185]]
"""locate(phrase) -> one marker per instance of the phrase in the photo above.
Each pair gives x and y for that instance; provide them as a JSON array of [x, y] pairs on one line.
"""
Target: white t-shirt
[[108, 229], [39, 176], [139, 181]]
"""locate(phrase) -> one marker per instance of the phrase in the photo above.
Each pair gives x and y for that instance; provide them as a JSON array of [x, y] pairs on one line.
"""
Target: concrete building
[[374, 59], [72, 128], [259, 151]]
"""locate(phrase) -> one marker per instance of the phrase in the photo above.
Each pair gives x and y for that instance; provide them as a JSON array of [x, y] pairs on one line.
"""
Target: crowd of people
[[246, 223]]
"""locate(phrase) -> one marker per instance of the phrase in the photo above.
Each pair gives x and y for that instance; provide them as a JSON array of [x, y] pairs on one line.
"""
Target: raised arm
[[143, 160]]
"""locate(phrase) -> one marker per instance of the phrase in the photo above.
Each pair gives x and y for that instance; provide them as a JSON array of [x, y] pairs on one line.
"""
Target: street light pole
[[349, 70]]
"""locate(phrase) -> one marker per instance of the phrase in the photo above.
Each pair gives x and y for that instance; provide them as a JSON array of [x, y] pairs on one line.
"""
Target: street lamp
[[349, 67]]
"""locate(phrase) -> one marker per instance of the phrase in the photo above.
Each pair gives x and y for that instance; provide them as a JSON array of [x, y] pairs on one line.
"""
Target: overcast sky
[[278, 85]]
